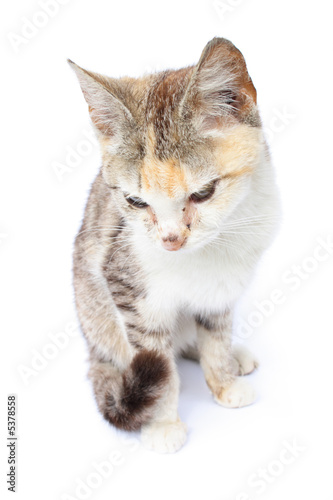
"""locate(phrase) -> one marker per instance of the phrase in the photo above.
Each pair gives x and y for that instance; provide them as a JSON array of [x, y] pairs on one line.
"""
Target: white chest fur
[[205, 280]]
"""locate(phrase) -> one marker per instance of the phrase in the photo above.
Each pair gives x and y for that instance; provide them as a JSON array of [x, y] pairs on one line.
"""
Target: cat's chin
[[173, 246], [172, 250]]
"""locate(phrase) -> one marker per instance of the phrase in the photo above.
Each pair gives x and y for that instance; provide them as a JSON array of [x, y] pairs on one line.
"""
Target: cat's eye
[[136, 202], [205, 193]]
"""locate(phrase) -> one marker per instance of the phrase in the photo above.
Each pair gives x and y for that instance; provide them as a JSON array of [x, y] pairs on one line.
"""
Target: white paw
[[164, 437], [244, 361], [238, 394]]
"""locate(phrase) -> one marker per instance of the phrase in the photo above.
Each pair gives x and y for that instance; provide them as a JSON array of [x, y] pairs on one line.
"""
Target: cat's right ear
[[107, 112], [220, 87]]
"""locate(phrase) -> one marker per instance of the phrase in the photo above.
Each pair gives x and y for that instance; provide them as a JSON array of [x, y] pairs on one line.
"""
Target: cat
[[182, 209]]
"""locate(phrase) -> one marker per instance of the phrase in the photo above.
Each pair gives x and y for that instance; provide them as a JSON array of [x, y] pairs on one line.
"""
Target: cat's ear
[[107, 112], [219, 87]]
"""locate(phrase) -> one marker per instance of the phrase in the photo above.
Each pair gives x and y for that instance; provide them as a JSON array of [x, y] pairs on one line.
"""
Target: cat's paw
[[243, 361], [239, 393], [164, 437]]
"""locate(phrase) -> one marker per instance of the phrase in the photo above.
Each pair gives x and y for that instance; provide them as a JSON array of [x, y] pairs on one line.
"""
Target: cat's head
[[179, 147]]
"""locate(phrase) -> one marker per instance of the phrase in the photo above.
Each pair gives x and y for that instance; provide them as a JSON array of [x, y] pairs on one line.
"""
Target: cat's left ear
[[219, 88], [107, 112]]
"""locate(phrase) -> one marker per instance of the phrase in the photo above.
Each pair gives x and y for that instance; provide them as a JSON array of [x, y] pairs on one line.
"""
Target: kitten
[[182, 209]]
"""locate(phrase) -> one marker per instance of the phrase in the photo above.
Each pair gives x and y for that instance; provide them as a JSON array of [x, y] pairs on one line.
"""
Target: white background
[[288, 49]]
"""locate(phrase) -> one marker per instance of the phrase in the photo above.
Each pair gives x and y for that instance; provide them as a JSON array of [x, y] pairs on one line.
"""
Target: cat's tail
[[127, 399]]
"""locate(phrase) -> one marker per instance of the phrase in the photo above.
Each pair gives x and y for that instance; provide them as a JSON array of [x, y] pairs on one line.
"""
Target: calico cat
[[183, 207]]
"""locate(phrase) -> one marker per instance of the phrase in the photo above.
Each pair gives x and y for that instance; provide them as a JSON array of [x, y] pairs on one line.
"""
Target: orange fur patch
[[237, 152], [165, 176]]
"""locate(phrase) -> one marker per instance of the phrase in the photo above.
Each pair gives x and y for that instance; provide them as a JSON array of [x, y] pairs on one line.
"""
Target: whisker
[[254, 218], [106, 228], [122, 247], [219, 241], [256, 231]]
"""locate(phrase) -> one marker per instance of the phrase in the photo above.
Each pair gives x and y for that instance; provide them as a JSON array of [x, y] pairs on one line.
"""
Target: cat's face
[[181, 204], [179, 147]]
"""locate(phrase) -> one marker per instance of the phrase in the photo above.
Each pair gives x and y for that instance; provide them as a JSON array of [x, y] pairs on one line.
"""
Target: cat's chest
[[204, 281]]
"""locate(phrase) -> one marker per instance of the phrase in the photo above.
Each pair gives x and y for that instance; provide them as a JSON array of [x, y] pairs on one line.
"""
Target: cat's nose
[[172, 242]]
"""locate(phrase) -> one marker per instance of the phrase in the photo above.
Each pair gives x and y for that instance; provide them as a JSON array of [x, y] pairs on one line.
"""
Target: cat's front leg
[[218, 361], [165, 432]]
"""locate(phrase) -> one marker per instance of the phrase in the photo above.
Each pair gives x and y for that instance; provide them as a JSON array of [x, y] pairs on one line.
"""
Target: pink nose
[[173, 242]]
